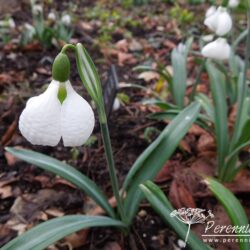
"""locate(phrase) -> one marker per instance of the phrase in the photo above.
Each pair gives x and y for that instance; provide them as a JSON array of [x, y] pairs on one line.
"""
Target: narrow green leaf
[[232, 206], [245, 135], [88, 73], [188, 45], [155, 156], [243, 104], [206, 105], [203, 121], [178, 61], [221, 129], [65, 171], [45, 234], [163, 207], [161, 104]]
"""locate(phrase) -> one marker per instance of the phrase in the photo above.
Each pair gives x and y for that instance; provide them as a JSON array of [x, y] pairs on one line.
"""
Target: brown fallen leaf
[[135, 45], [180, 196], [122, 45], [112, 246], [78, 239], [204, 166], [43, 71], [166, 173], [6, 234], [54, 212], [9, 133], [125, 58], [11, 160], [6, 192], [85, 26]]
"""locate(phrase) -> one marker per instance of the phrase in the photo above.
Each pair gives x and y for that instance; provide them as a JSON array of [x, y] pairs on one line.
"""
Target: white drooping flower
[[52, 16], [45, 120], [210, 11], [220, 21], [8, 23], [233, 3], [66, 20], [12, 23], [218, 49], [37, 9]]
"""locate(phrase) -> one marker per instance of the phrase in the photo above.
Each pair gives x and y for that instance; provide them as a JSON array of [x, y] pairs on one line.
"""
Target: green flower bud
[[61, 68]]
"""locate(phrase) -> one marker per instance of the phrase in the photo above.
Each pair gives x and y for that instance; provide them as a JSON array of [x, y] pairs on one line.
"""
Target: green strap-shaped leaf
[[163, 207], [206, 105], [65, 171], [45, 234], [232, 206], [155, 156], [88, 73], [221, 129], [243, 103], [179, 76]]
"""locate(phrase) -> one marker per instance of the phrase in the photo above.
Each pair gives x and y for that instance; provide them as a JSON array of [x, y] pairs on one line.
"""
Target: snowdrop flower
[[220, 21], [218, 49], [12, 23], [208, 38], [37, 9], [66, 20], [233, 3], [210, 11], [52, 16], [45, 120], [31, 30]]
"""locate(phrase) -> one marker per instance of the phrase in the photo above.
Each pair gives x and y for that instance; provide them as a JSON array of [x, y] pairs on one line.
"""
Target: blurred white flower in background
[[52, 16], [45, 120], [37, 9], [210, 11], [12, 23], [66, 20], [218, 49], [220, 21], [233, 3], [8, 23]]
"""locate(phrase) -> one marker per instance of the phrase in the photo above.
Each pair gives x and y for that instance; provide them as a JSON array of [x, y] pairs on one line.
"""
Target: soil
[[30, 195]]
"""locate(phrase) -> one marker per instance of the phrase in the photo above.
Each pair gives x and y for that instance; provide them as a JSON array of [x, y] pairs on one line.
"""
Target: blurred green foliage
[[112, 20], [183, 16]]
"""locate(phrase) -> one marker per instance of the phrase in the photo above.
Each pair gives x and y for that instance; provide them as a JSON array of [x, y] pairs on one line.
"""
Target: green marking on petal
[[62, 92]]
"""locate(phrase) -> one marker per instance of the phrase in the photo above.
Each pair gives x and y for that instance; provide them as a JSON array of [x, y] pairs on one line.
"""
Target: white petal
[[224, 23], [77, 119], [210, 11], [218, 49], [211, 21], [39, 122], [220, 22], [233, 3]]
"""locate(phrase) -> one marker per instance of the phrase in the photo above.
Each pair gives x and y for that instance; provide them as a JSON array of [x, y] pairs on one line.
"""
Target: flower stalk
[[91, 81]]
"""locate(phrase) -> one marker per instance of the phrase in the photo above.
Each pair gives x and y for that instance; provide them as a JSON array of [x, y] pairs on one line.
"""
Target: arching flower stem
[[94, 90]]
